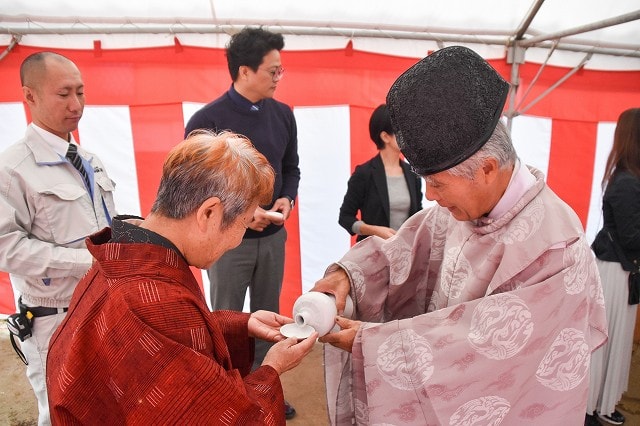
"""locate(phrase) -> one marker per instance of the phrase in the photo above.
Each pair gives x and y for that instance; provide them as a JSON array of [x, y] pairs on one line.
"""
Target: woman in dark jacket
[[617, 249], [384, 189]]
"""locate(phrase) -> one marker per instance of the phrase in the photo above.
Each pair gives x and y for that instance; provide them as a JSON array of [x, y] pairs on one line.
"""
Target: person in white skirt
[[617, 249]]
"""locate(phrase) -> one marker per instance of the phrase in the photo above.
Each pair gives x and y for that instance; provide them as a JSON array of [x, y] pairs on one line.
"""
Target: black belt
[[41, 311]]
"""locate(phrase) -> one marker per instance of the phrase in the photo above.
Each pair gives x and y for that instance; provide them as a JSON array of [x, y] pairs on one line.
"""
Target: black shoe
[[591, 420], [615, 418], [289, 411]]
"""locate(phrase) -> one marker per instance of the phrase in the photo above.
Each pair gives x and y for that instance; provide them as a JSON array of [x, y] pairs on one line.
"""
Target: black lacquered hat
[[445, 107]]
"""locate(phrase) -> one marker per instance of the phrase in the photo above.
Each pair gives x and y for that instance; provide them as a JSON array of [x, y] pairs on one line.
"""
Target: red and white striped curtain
[[139, 100]]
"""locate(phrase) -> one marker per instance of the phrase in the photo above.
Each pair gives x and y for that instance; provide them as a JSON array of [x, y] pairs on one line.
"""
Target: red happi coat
[[140, 346]]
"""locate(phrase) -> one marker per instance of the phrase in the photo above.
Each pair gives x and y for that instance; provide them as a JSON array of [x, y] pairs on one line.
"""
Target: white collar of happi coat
[[521, 181]]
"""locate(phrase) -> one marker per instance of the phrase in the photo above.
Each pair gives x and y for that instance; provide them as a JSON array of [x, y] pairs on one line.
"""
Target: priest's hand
[[337, 283], [344, 338], [285, 355], [266, 325]]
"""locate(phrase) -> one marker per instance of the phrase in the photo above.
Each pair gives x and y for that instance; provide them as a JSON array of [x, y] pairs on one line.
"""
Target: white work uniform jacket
[[46, 213]]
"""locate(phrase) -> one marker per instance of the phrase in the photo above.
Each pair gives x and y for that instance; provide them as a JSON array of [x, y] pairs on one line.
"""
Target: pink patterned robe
[[471, 324]]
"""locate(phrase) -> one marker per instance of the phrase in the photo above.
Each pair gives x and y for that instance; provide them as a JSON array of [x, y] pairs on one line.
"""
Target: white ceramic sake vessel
[[318, 310]]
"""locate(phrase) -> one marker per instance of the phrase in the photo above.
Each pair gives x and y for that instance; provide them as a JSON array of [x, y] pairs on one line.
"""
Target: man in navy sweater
[[248, 108]]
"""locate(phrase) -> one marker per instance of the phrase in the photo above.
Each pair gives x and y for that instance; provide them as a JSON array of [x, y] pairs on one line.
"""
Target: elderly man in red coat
[[139, 345]]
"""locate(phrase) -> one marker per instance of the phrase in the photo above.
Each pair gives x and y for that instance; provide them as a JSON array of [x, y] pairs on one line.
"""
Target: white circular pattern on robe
[[486, 410], [501, 326], [575, 280], [405, 360], [566, 363], [456, 272], [399, 254], [357, 277], [523, 225]]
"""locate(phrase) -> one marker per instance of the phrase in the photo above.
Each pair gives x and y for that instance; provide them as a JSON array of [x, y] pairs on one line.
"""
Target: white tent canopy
[[602, 34]]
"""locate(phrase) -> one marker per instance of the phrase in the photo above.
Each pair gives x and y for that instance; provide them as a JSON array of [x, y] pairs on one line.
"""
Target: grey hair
[[499, 146], [206, 164]]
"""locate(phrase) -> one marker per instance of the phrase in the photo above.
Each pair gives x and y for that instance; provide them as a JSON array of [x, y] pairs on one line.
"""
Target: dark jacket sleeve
[[624, 199], [290, 162], [367, 193], [621, 214], [354, 199]]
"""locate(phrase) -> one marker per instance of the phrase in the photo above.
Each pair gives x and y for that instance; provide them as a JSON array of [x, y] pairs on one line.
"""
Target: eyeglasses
[[276, 73]]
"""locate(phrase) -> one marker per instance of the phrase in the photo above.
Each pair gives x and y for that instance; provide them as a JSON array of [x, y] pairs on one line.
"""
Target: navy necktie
[[72, 155]]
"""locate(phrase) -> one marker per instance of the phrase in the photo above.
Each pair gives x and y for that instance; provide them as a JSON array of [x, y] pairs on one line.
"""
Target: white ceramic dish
[[298, 331]]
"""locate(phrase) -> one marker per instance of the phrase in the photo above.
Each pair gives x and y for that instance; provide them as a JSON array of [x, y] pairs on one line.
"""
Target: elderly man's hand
[[266, 325], [343, 339], [285, 355]]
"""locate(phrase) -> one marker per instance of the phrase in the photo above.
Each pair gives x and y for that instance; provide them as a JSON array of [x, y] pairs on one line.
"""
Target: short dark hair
[[249, 47], [380, 122], [36, 61]]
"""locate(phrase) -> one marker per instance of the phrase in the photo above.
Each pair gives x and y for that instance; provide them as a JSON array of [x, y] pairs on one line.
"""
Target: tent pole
[[557, 83], [627, 17], [515, 55], [515, 83], [524, 26], [15, 39], [535, 78], [427, 34]]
